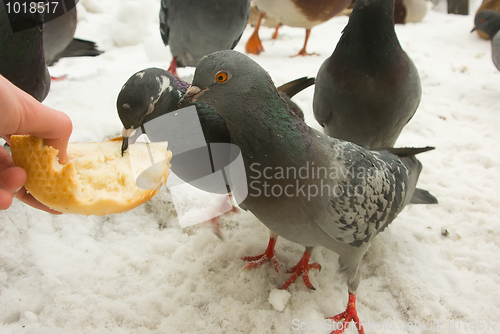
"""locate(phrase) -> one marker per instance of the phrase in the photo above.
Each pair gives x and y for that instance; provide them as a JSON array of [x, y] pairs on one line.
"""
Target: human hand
[[22, 114]]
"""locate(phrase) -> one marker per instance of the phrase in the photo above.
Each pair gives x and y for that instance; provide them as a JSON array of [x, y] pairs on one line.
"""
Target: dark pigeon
[[59, 41], [369, 88], [22, 61], [488, 21], [348, 209], [194, 28]]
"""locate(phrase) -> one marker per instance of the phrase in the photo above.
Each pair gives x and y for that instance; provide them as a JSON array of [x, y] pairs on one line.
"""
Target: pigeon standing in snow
[[194, 28], [58, 40], [488, 21], [369, 88], [22, 61], [343, 211], [294, 13]]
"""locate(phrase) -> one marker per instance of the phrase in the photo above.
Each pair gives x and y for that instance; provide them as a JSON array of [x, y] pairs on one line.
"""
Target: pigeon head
[[487, 21], [226, 79], [146, 95]]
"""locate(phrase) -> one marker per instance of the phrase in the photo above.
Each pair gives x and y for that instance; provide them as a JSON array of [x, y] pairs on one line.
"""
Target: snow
[[139, 272]]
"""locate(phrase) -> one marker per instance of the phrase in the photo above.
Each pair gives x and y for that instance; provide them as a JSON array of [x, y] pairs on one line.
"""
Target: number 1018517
[[14, 7]]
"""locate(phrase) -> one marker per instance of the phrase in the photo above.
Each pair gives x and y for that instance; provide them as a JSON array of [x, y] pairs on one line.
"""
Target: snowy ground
[[138, 272]]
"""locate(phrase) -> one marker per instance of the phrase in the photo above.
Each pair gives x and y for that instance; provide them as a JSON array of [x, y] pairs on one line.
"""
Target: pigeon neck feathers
[[369, 39]]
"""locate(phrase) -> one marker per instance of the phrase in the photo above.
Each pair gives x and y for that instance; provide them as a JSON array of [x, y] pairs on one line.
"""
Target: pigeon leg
[[303, 51], [215, 222], [254, 45], [173, 67], [348, 315], [302, 268], [275, 35], [268, 255]]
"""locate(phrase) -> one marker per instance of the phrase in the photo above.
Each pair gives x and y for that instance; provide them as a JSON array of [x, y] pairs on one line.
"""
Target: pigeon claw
[[267, 256], [304, 53], [254, 45], [214, 224], [302, 268], [350, 314]]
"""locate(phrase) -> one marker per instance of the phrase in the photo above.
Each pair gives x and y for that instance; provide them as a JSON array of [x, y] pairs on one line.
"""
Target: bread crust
[[97, 180]]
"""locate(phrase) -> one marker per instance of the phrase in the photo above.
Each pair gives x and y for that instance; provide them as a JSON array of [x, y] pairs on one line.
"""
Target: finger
[[24, 114], [12, 179], [5, 199], [27, 198], [52, 125]]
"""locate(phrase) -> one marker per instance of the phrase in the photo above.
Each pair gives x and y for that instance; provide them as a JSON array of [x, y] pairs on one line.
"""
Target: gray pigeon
[[21, 52], [59, 41], [369, 88], [488, 21], [194, 28], [307, 187]]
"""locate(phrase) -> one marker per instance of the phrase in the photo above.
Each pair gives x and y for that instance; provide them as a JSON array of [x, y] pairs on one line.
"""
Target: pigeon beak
[[126, 133], [193, 93], [124, 144], [473, 29]]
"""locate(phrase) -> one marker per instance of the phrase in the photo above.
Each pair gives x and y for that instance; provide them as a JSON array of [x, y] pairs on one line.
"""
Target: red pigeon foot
[[254, 45], [350, 314], [173, 67], [268, 255], [302, 268]]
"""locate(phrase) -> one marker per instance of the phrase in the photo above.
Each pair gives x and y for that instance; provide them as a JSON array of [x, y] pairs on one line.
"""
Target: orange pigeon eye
[[221, 76]]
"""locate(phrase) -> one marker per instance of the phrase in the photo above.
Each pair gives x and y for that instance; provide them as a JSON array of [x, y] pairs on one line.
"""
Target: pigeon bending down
[[340, 210], [22, 60], [154, 92], [369, 88], [294, 13], [488, 21], [194, 28], [58, 39]]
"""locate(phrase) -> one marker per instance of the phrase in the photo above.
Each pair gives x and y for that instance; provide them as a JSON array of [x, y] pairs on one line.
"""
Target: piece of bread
[[97, 180]]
